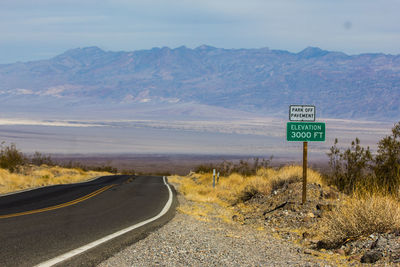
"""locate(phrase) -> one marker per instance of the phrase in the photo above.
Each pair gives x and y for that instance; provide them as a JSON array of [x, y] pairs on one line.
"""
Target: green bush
[[387, 162], [350, 168], [11, 158], [39, 159], [356, 169], [103, 168], [243, 167]]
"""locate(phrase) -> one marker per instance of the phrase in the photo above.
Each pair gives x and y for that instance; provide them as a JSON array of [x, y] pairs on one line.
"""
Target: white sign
[[301, 113]]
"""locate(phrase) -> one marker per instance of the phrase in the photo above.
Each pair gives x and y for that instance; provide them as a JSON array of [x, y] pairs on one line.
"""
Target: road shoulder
[[188, 240]]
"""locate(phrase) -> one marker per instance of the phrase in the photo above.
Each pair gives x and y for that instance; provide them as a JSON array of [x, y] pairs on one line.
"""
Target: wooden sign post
[[304, 195]]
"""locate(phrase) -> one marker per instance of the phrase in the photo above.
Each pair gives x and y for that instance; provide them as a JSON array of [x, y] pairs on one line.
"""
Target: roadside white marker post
[[217, 177], [213, 178]]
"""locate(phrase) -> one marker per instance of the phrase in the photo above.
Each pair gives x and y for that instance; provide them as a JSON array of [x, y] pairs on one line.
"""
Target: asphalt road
[[41, 224]]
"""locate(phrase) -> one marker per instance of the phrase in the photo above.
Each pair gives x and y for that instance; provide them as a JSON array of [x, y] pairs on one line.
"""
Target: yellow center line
[[73, 202]]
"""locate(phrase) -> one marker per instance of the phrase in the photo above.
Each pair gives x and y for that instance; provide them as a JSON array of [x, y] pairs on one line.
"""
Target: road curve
[[39, 225]]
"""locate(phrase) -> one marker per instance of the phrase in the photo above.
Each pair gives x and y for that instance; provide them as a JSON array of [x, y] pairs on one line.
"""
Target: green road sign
[[305, 131]]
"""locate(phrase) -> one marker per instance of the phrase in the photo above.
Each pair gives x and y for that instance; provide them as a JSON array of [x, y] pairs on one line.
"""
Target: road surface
[[39, 225]]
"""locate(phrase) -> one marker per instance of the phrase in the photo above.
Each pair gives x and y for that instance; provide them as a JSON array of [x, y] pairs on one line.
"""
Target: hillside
[[260, 81], [335, 228]]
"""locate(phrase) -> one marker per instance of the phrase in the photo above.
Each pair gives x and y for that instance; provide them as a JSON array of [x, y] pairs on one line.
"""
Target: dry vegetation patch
[[247, 199], [271, 200], [235, 188], [35, 176], [360, 216]]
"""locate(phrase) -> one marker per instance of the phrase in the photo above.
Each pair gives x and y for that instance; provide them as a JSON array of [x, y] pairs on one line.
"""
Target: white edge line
[[93, 244]]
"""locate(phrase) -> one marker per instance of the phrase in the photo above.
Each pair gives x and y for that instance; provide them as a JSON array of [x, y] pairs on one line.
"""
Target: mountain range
[[253, 81]]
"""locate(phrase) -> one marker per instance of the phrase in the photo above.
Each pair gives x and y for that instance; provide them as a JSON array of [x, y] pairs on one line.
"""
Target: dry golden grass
[[288, 174], [205, 203], [233, 190], [355, 216], [236, 188], [360, 216], [33, 176]]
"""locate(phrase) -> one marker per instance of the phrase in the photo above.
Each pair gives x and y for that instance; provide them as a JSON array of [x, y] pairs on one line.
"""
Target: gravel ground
[[186, 241]]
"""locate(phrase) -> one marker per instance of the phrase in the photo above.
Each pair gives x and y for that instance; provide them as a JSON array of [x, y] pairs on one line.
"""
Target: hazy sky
[[37, 29]]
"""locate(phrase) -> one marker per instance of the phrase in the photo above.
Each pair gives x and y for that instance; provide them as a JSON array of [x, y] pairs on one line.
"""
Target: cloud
[[41, 21], [14, 121], [24, 92], [43, 27]]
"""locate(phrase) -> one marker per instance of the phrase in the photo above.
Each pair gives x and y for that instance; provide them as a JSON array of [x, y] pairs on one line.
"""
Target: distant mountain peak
[[91, 49], [182, 47], [205, 47], [88, 51], [311, 52]]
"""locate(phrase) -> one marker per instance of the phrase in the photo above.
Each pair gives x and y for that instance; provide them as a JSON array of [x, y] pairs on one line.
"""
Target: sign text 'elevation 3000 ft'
[[305, 131]]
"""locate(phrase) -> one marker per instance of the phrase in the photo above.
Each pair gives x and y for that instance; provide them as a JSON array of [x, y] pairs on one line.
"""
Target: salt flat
[[258, 136]]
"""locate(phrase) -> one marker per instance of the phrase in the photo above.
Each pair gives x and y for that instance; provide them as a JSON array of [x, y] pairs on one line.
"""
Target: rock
[[307, 251], [371, 256], [349, 250], [331, 195], [321, 244], [374, 244], [340, 252], [355, 258], [281, 205], [396, 232], [324, 207], [308, 217], [382, 242], [306, 235], [292, 207]]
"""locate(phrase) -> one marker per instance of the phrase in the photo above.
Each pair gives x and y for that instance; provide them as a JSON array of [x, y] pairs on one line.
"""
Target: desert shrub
[[253, 186], [104, 168], [39, 159], [358, 217], [205, 168], [351, 168], [288, 174], [243, 167], [11, 158], [387, 162], [335, 163], [31, 176], [77, 165], [128, 172], [356, 169]]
